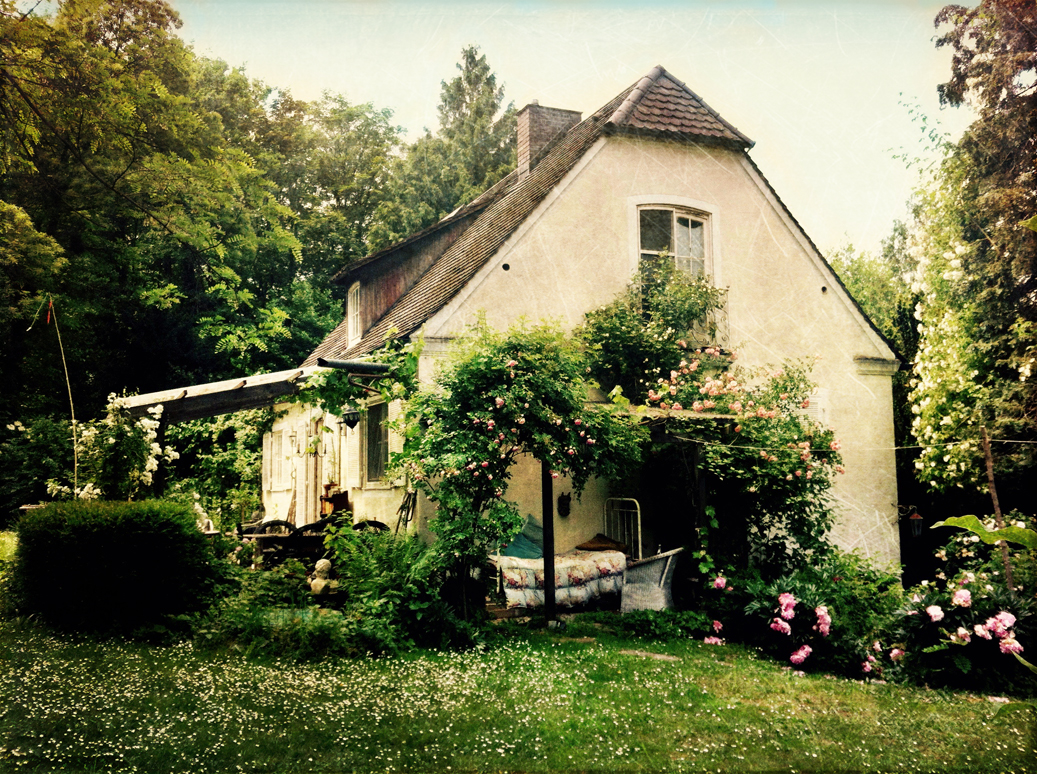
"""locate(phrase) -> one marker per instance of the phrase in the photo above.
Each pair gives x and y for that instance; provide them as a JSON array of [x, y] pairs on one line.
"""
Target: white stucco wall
[[579, 249]]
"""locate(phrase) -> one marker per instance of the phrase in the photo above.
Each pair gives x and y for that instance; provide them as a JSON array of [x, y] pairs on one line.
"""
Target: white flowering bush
[[117, 456]]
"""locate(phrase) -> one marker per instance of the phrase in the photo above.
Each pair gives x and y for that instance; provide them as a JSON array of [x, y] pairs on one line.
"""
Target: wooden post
[[998, 520], [548, 510]]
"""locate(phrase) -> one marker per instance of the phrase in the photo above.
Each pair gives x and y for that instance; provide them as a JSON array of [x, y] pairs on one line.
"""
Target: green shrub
[[30, 454], [273, 615], [392, 586], [114, 566]]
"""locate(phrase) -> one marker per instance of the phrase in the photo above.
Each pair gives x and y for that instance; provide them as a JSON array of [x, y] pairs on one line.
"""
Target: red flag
[[49, 307]]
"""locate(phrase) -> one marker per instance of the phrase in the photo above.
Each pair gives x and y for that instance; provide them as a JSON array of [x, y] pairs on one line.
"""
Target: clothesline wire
[[875, 448]]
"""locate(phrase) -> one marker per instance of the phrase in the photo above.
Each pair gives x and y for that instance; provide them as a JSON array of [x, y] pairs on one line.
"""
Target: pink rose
[[719, 582], [935, 613], [713, 641], [962, 598]]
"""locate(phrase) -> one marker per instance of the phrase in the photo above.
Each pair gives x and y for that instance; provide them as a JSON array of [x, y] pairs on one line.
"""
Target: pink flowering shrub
[[801, 655], [960, 632], [781, 626], [829, 616]]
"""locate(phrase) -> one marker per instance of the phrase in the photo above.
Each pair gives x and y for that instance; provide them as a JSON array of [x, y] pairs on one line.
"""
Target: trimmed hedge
[[113, 566]]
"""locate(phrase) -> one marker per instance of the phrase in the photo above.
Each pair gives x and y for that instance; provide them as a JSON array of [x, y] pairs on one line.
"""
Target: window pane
[[698, 241], [683, 238], [655, 230], [377, 441], [689, 238]]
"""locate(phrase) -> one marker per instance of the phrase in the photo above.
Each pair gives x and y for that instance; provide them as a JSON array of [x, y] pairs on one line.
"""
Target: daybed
[[595, 568]]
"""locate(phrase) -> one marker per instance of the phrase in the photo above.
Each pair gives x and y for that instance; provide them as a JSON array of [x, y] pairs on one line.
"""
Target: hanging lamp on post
[[915, 520]]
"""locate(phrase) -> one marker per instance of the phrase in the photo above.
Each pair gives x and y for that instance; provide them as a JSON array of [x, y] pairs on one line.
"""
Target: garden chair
[[646, 583]]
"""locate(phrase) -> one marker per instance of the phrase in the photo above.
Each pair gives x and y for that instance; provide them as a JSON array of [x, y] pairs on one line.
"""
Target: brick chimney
[[537, 126]]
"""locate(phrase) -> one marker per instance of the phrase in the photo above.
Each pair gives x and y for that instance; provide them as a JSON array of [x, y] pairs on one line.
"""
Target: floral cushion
[[580, 577]]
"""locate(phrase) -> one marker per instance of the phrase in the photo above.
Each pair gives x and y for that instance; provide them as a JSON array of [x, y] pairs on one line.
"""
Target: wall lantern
[[350, 417]]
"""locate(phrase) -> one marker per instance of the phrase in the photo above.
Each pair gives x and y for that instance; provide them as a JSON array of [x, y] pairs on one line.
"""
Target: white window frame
[[353, 313], [703, 212]]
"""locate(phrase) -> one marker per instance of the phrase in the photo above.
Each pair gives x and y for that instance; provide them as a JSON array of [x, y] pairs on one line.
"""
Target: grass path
[[530, 703]]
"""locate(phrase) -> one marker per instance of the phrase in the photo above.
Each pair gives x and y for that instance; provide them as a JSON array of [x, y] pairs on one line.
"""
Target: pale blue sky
[[817, 85]]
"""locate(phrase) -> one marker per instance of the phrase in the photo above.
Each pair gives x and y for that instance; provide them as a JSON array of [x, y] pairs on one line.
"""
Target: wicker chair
[[646, 583]]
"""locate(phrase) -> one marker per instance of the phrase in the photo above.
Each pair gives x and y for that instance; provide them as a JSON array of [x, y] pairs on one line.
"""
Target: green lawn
[[531, 702]]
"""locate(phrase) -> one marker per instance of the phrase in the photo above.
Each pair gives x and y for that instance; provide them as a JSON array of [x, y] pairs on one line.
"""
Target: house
[[654, 169]]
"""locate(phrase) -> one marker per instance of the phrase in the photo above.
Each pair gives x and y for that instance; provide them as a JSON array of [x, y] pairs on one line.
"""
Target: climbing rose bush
[[502, 396]]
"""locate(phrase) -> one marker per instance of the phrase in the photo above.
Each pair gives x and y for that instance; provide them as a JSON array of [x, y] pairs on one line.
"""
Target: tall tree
[[978, 262], [474, 148]]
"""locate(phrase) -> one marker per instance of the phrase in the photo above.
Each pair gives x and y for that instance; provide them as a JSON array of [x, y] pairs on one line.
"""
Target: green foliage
[[770, 466], [645, 332], [665, 624], [116, 457], [184, 218], [977, 272], [391, 591], [474, 148], [272, 616], [111, 566], [500, 396], [220, 464], [942, 646], [29, 263], [1010, 534], [958, 628], [334, 389], [30, 455]]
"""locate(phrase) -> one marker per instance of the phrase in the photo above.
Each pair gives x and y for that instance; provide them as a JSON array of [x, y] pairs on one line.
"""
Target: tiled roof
[[658, 105]]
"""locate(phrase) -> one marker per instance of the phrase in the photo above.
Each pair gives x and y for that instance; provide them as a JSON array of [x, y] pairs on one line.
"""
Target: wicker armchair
[[646, 583]]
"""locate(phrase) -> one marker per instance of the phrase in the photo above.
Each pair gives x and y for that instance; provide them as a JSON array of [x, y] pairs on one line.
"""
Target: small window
[[676, 233], [377, 441], [353, 313]]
